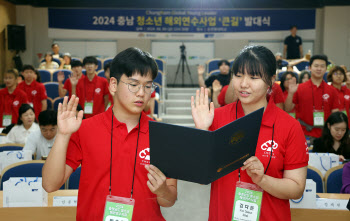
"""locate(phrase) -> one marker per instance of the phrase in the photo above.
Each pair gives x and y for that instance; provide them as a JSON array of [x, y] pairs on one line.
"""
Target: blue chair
[[76, 59], [49, 103], [214, 72], [84, 72], [302, 65], [106, 61], [32, 168], [316, 175], [333, 179], [325, 77], [56, 101], [212, 64], [11, 146], [231, 62], [99, 65], [45, 76], [284, 63], [159, 82], [51, 89], [66, 73], [73, 180], [161, 64], [101, 73]]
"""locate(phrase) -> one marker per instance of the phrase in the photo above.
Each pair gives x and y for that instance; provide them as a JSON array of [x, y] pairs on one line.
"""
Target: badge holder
[[88, 107], [344, 111], [247, 203], [118, 208], [318, 116], [31, 104], [6, 120], [292, 114]]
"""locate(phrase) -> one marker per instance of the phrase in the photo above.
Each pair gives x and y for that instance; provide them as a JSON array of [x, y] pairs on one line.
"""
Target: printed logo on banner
[[145, 156], [15, 103], [325, 97], [34, 92]]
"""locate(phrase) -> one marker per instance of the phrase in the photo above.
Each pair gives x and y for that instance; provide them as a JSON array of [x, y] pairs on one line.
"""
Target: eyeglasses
[[149, 88], [337, 74]]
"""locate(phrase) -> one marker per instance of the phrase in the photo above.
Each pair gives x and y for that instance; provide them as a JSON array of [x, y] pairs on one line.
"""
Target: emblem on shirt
[[325, 97], [98, 90], [346, 97], [267, 145], [307, 148], [15, 103], [297, 40], [34, 92], [145, 156]]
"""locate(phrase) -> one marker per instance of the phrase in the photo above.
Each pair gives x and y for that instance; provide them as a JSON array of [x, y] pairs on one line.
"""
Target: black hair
[[90, 60], [333, 70], [224, 62], [327, 139], [131, 61], [292, 26], [28, 67], [256, 61], [54, 45], [76, 63], [47, 117], [21, 77], [319, 57], [283, 79], [302, 74], [106, 66], [23, 108], [13, 71], [38, 78]]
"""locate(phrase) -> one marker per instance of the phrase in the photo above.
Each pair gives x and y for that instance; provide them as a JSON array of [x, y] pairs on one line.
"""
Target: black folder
[[202, 156]]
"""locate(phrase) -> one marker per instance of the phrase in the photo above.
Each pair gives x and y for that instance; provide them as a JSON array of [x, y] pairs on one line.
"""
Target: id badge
[[344, 111], [88, 107], [292, 114], [109, 104], [247, 203], [6, 120], [118, 208], [31, 104], [318, 118]]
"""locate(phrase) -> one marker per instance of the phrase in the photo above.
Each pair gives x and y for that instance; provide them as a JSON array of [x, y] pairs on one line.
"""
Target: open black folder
[[203, 156]]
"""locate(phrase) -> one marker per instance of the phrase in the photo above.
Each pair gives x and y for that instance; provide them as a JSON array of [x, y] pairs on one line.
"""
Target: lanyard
[[110, 168], [312, 91], [273, 132], [86, 81]]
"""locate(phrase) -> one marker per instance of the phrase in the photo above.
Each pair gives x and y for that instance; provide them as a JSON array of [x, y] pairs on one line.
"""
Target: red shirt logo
[[325, 97], [145, 156], [15, 103], [34, 92], [346, 97], [267, 145], [98, 90]]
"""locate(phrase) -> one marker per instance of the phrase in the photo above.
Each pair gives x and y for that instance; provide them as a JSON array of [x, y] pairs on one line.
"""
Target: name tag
[[118, 208], [6, 120], [318, 118], [88, 107]]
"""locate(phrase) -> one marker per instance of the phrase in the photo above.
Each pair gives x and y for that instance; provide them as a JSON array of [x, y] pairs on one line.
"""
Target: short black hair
[[319, 57], [12, 71], [22, 109], [283, 79], [76, 63], [28, 67], [292, 26], [106, 66], [256, 60], [47, 117], [90, 60], [333, 70], [131, 61], [224, 62], [54, 45], [302, 74]]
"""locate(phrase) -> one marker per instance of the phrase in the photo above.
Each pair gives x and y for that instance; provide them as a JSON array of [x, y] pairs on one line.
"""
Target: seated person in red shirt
[[36, 92], [92, 90], [315, 99], [285, 79], [71, 83], [112, 147], [11, 99]]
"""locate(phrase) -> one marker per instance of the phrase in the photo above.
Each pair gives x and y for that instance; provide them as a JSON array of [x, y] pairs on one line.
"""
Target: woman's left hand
[[255, 169], [341, 158], [156, 181]]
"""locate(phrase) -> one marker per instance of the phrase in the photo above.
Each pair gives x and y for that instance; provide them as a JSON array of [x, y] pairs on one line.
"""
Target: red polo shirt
[[285, 95], [221, 97], [290, 152], [36, 92], [324, 97], [276, 94], [90, 146], [10, 103], [149, 110], [95, 91], [68, 85]]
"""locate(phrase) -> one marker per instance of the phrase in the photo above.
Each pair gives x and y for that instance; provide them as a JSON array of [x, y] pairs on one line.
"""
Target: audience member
[[25, 125], [56, 51], [285, 79], [11, 98], [335, 138], [216, 86], [346, 179], [347, 83], [71, 83], [36, 92], [41, 141], [223, 77], [304, 77], [315, 99], [49, 63], [293, 47], [66, 61]]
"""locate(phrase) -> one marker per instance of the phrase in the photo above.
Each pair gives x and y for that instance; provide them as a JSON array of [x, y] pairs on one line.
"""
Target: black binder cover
[[202, 156]]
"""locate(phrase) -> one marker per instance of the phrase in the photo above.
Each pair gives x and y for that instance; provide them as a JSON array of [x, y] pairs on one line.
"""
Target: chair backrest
[[159, 78], [325, 77], [99, 66], [57, 60], [106, 61], [77, 59], [333, 179], [30, 168], [66, 73], [11, 146], [45, 76], [56, 101], [73, 180], [302, 65], [285, 63], [161, 64], [49, 103], [212, 64], [316, 175], [51, 89], [214, 72], [101, 73]]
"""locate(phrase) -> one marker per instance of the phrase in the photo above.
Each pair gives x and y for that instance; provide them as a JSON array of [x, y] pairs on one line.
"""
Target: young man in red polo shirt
[[315, 100], [36, 92], [11, 98], [112, 148], [92, 90], [71, 83]]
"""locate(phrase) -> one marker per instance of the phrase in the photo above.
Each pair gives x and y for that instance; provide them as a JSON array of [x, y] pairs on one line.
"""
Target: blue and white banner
[[181, 23]]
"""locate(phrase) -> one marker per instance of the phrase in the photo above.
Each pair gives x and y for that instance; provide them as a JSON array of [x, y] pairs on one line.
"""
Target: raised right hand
[[202, 114], [67, 120], [60, 76], [293, 86], [200, 69], [73, 79]]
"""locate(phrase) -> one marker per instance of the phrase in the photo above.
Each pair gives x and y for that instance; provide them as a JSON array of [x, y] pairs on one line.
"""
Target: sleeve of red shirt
[[74, 152], [297, 153], [43, 92], [221, 97], [277, 94]]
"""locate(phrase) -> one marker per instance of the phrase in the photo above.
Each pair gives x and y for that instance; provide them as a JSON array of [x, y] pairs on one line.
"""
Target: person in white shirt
[[25, 125], [41, 141], [49, 63]]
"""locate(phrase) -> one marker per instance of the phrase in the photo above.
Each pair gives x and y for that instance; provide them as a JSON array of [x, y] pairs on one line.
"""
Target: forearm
[[288, 104], [215, 99], [230, 94], [201, 81], [54, 168], [43, 105], [168, 199], [61, 90], [73, 90]]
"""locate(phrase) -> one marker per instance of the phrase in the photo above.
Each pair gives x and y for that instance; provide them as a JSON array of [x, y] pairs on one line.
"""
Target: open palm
[[202, 113], [67, 120]]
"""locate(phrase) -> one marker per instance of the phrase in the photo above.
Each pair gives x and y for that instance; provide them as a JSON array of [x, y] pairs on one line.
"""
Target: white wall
[[336, 43]]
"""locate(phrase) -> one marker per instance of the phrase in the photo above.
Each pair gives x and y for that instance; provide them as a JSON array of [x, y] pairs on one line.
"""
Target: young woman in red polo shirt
[[278, 168]]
